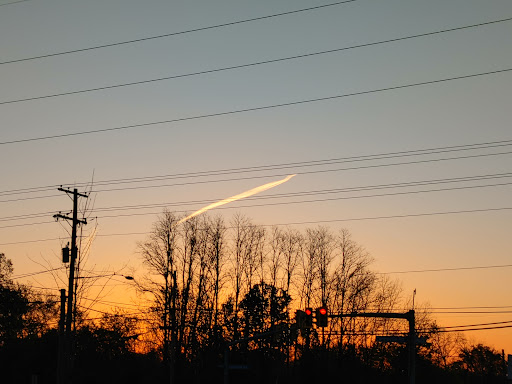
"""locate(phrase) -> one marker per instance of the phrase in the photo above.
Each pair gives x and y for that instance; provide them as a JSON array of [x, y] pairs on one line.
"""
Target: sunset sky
[[364, 96]]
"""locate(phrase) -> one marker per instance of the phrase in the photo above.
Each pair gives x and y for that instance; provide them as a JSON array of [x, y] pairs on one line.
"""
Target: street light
[[127, 277]]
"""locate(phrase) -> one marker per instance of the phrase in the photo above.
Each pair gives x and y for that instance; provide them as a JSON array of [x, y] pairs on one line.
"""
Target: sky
[[381, 94]]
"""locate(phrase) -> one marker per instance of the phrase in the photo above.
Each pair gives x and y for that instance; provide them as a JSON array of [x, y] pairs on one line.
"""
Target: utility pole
[[174, 329], [412, 345], [74, 252], [60, 359]]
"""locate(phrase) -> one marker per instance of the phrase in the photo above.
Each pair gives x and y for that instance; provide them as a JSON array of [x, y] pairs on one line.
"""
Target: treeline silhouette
[[215, 294]]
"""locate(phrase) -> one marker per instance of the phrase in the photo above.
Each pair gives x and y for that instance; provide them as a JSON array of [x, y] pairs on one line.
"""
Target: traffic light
[[300, 317], [308, 319], [321, 317]]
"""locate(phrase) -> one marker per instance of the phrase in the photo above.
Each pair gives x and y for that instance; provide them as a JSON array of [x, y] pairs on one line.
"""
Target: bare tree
[[238, 257], [352, 282], [158, 254], [444, 346], [217, 233], [309, 266], [275, 254], [188, 259], [292, 252]]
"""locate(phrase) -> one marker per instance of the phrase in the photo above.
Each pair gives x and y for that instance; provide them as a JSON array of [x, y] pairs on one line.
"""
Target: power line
[[397, 332], [287, 195], [302, 201], [35, 273], [14, 2], [309, 193], [395, 216], [117, 304], [274, 175], [313, 163], [247, 65], [29, 198], [447, 269], [436, 309], [315, 171], [109, 313], [266, 204], [178, 33], [480, 307], [254, 109], [476, 325], [468, 312], [474, 329], [278, 166], [302, 223]]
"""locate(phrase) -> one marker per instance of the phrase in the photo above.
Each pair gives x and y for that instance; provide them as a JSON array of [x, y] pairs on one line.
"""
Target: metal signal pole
[[411, 340]]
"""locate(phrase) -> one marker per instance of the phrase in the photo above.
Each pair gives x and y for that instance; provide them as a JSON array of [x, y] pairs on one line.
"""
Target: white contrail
[[242, 195]]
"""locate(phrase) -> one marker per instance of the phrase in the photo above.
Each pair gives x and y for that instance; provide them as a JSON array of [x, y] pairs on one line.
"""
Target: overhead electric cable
[[306, 193], [270, 204], [284, 195], [474, 329], [276, 166], [475, 325], [304, 172], [268, 176], [253, 109], [474, 307], [109, 313], [446, 269], [278, 196], [105, 302], [313, 163], [396, 216], [14, 2], [299, 201], [425, 214], [469, 312], [247, 65], [35, 273], [228, 24]]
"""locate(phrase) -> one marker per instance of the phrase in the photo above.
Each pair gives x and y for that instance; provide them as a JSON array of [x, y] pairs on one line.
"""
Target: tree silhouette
[[264, 308], [14, 303], [482, 361]]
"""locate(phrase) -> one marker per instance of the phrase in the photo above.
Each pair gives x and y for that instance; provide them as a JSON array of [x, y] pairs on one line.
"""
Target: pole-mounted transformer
[[65, 254]]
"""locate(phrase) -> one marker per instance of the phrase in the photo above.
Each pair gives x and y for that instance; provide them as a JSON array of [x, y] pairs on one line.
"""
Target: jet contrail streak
[[242, 195]]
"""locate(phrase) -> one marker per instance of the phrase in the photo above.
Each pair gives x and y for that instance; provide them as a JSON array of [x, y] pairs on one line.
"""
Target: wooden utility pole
[[61, 353], [74, 253], [174, 328]]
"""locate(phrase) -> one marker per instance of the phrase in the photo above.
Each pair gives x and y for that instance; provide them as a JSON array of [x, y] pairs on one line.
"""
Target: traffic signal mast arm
[[388, 315], [410, 317]]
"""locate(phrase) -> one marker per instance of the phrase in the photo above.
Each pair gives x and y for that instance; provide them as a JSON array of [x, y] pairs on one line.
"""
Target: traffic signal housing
[[308, 318], [300, 317], [321, 317]]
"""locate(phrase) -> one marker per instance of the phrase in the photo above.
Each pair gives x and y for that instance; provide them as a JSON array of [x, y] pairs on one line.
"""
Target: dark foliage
[[269, 348]]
